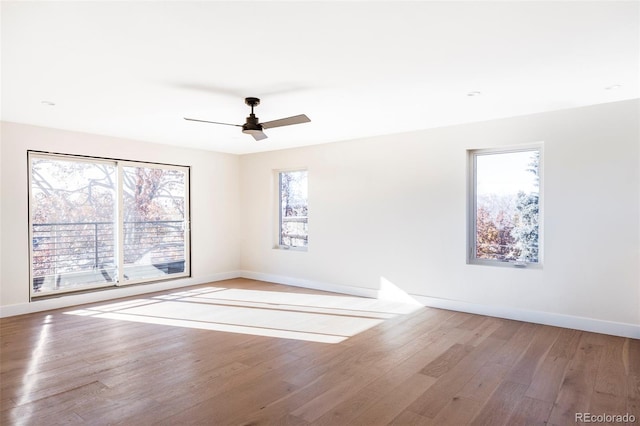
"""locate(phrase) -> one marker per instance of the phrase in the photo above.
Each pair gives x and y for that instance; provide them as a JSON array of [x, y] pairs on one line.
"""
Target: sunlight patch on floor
[[288, 315], [30, 378]]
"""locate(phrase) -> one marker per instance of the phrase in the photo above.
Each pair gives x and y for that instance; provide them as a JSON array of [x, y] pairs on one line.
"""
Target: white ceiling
[[357, 69]]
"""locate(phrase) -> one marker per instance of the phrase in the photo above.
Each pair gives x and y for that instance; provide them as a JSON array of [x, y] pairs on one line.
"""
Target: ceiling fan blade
[[212, 122], [258, 135], [296, 119]]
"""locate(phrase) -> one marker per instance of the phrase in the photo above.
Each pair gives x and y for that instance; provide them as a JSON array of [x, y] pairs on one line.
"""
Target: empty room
[[320, 213]]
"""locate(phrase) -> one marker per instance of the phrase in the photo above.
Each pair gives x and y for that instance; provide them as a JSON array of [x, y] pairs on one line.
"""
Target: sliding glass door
[[97, 223], [154, 243]]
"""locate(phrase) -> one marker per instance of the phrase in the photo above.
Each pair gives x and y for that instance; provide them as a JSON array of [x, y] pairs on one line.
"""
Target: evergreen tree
[[527, 226]]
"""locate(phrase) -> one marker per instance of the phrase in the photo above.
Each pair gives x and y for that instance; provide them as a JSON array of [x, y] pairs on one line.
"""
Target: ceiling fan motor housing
[[252, 124]]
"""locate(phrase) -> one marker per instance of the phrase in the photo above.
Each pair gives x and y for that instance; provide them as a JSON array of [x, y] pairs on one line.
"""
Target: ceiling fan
[[253, 127]]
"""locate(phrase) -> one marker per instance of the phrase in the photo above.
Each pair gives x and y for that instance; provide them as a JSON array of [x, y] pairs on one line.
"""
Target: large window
[[97, 223], [504, 216], [293, 209]]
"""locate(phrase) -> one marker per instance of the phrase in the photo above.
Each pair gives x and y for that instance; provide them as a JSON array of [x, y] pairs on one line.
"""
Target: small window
[[504, 216], [293, 209]]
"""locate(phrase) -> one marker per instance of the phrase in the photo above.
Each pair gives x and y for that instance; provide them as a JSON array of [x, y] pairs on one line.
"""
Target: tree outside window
[[506, 206], [293, 223]]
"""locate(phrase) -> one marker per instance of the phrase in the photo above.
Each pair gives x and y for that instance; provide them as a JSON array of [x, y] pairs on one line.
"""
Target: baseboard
[[110, 294], [538, 317]]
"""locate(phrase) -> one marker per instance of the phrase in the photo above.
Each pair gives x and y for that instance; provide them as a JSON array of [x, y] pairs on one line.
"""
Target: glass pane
[[154, 222], [507, 206], [72, 214], [293, 209]]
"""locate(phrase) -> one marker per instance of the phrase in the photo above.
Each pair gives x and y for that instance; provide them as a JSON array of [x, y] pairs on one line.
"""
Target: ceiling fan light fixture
[[256, 132], [251, 131]]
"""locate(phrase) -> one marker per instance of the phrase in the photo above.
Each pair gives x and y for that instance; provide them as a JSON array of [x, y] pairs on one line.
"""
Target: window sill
[[505, 264], [290, 248]]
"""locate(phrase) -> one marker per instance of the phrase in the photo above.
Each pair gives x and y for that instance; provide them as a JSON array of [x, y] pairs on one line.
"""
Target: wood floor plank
[[61, 405], [506, 328], [525, 368], [345, 386], [480, 387], [123, 362], [611, 369], [409, 418], [633, 395], [368, 397], [390, 404], [632, 356], [501, 405], [355, 380], [567, 344], [473, 322], [229, 407], [395, 382], [606, 403], [576, 390], [446, 361], [106, 411], [547, 379], [459, 411], [448, 385], [513, 348], [485, 329], [530, 412]]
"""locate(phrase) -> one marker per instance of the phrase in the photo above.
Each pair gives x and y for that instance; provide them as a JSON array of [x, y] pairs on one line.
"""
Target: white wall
[[394, 208], [214, 208]]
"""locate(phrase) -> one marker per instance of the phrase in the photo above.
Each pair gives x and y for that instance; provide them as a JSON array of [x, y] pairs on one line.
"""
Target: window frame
[[278, 210], [118, 222], [472, 155]]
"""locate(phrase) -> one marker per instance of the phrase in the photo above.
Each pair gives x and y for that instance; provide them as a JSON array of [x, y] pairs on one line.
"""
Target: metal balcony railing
[[77, 247], [294, 232]]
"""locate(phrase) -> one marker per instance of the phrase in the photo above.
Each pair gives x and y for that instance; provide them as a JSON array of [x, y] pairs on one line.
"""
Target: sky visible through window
[[505, 173]]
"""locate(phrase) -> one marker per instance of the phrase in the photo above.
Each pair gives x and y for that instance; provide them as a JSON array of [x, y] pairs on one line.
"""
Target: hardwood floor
[[244, 352]]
